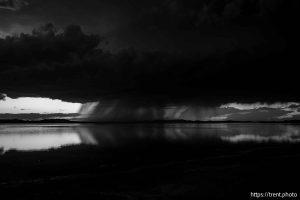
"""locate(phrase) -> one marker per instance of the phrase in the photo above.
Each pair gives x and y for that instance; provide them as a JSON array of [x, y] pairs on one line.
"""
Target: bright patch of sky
[[25, 105]]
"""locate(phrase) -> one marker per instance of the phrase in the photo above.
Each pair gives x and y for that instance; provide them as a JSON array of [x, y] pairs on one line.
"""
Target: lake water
[[35, 137]]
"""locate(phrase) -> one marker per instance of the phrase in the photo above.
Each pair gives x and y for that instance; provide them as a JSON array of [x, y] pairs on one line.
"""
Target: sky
[[36, 105], [194, 60]]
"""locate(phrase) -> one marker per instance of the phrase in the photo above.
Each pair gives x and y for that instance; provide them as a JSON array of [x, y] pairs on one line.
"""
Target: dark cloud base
[[52, 66], [69, 64]]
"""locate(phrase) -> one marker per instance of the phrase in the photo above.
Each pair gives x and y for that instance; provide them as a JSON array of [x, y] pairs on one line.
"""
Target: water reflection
[[265, 133], [43, 137]]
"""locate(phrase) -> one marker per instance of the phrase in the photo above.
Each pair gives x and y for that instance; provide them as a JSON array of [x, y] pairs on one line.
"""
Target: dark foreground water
[[148, 161]]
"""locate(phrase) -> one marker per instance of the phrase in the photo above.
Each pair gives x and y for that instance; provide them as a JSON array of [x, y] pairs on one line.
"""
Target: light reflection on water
[[40, 137], [48, 136]]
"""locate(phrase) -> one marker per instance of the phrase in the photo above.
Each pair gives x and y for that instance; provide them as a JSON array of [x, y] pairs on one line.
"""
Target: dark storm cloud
[[69, 64], [13, 5], [194, 14], [171, 25], [100, 16], [195, 52], [45, 46]]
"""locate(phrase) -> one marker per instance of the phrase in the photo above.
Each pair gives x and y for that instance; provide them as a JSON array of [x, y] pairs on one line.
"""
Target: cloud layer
[[13, 5]]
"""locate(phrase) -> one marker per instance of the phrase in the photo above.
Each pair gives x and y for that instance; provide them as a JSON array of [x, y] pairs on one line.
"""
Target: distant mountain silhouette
[[12, 121]]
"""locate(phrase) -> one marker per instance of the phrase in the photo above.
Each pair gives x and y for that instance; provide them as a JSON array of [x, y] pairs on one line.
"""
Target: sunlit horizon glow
[[28, 105]]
